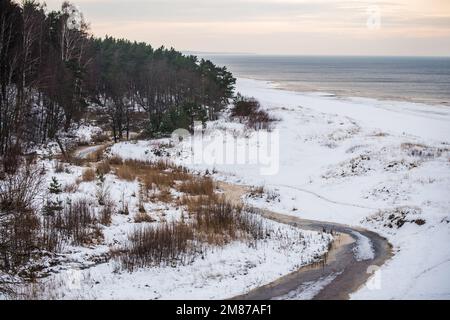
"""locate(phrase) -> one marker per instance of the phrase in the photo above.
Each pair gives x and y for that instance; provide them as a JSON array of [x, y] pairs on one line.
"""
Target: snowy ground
[[377, 164], [87, 272]]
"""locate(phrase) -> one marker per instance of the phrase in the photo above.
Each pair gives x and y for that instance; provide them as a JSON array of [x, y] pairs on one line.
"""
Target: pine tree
[[55, 186]]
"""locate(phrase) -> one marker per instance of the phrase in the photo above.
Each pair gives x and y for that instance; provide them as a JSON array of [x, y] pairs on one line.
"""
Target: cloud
[[269, 24]]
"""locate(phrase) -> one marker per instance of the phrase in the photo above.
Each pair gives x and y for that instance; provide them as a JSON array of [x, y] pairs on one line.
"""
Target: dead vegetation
[[103, 168], [98, 154], [260, 192], [29, 234], [73, 222], [106, 213], [197, 186], [396, 218], [210, 219], [423, 151], [88, 175], [248, 111], [141, 217], [164, 244]]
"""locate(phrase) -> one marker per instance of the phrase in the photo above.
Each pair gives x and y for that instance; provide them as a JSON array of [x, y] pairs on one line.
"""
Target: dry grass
[[153, 175], [103, 167], [88, 175], [97, 155], [197, 186], [164, 244], [212, 219], [105, 215], [76, 222], [59, 167], [155, 180], [100, 138], [257, 192], [163, 195], [125, 172], [71, 188], [141, 217], [115, 160]]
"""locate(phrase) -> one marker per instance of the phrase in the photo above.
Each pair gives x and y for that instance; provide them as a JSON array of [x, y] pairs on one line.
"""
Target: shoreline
[[422, 121], [280, 85]]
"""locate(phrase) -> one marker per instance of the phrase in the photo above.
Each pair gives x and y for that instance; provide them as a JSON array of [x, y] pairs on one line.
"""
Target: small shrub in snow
[[106, 212], [257, 192], [115, 160], [76, 222], [248, 111], [88, 175], [103, 167], [59, 167], [19, 190], [55, 186], [422, 151], [261, 192], [141, 217], [100, 138], [396, 218], [164, 244], [102, 192], [162, 195], [71, 188]]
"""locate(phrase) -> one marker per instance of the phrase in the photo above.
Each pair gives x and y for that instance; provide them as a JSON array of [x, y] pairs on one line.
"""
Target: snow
[[224, 273], [310, 289], [363, 249], [85, 272], [85, 133], [350, 161]]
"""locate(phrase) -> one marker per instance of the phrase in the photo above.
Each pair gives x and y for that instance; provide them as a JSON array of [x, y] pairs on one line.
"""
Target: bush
[[102, 192], [164, 244], [214, 221], [106, 213], [59, 167], [71, 188], [20, 228], [100, 138], [244, 107], [220, 221], [248, 110], [76, 222], [143, 217], [177, 118], [19, 238], [115, 160], [18, 191], [88, 175], [103, 167]]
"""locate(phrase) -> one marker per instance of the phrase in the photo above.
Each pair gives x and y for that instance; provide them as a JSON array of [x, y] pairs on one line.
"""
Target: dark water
[[418, 79]]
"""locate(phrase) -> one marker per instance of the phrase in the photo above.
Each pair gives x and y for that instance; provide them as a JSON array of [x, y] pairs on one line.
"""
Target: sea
[[415, 79]]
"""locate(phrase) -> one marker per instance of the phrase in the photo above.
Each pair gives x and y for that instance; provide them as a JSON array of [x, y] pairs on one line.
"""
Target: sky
[[293, 27]]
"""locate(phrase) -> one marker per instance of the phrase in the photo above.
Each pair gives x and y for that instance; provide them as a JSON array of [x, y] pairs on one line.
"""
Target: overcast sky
[[304, 27]]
